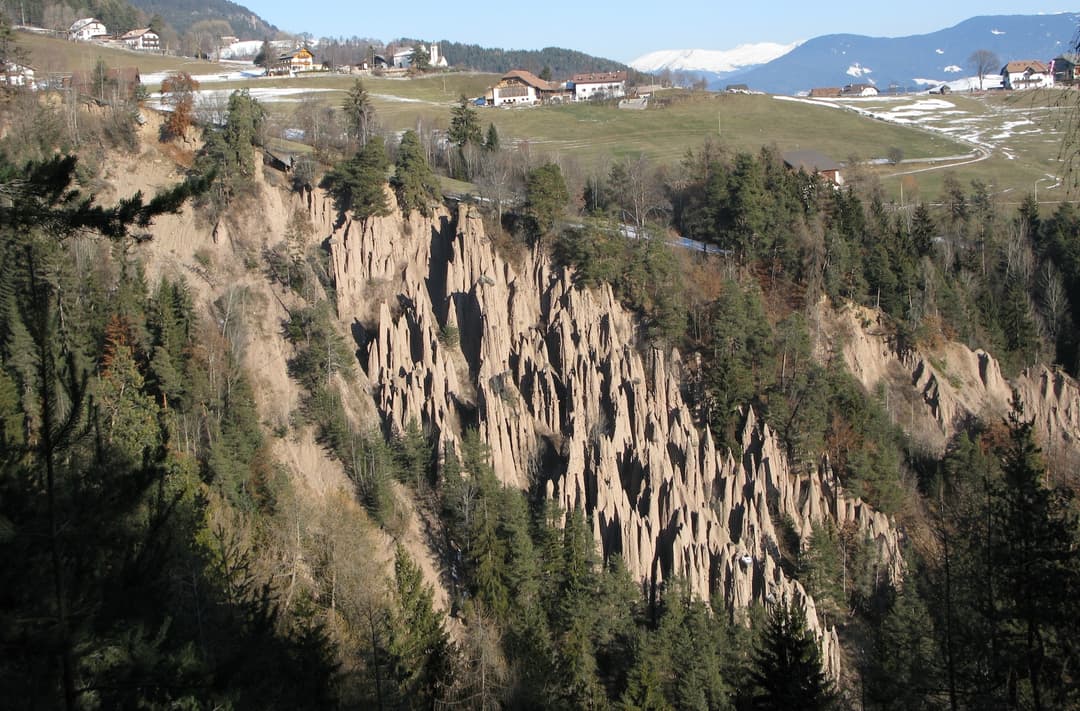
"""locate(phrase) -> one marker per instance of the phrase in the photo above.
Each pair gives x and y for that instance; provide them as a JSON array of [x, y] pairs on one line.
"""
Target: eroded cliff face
[[567, 398], [933, 390]]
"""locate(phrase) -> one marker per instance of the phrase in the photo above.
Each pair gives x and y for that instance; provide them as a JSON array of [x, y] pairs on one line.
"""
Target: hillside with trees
[[183, 14], [559, 63], [261, 431]]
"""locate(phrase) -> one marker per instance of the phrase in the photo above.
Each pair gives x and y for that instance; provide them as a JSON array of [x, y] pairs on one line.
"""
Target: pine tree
[[1035, 563], [904, 673], [359, 184], [464, 125], [545, 199], [787, 671], [414, 182], [491, 143], [359, 113], [420, 647]]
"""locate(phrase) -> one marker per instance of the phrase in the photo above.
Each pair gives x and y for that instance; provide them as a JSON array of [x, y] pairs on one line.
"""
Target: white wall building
[[608, 85], [1026, 74], [144, 39], [17, 75], [403, 58], [86, 29], [522, 87]]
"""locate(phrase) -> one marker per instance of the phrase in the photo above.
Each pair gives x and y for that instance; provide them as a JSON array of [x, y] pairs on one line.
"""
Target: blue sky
[[629, 29]]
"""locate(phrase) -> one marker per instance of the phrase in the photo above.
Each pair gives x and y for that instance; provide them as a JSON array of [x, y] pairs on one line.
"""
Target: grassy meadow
[[48, 55]]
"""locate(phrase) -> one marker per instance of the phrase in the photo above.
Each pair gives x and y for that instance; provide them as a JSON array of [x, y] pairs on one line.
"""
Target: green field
[[48, 55], [1021, 133], [1016, 136]]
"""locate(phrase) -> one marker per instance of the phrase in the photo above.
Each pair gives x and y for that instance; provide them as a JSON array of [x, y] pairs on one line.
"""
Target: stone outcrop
[[936, 389], [555, 378]]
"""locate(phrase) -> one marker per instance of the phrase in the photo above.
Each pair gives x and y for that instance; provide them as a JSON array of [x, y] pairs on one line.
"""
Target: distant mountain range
[[917, 61]]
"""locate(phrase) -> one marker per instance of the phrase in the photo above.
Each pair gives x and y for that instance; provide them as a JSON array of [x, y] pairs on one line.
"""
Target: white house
[[17, 75], [608, 85], [87, 29], [144, 39], [1026, 74], [403, 58], [522, 87]]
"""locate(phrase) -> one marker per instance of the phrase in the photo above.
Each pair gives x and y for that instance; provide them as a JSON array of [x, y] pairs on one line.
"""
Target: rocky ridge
[[453, 335], [937, 388]]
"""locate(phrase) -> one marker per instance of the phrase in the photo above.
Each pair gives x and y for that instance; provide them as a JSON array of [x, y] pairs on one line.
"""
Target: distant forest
[[563, 63]]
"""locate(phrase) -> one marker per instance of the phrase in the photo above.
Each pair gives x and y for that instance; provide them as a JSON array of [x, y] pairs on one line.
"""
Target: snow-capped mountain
[[710, 64], [712, 60], [906, 62]]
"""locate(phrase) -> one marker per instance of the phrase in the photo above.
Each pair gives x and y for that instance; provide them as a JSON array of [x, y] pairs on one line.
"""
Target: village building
[[296, 62], [17, 75], [825, 92], [1063, 69], [403, 57], [814, 163], [86, 29], [143, 40], [859, 90], [1026, 74], [522, 87], [596, 85]]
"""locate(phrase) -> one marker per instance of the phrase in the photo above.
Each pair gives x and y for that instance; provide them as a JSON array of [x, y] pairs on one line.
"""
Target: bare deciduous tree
[[983, 62]]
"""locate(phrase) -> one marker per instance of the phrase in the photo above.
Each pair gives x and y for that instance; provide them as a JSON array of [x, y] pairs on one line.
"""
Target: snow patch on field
[[155, 78]]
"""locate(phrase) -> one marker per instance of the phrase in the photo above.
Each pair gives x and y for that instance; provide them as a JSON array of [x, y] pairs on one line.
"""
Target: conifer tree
[[414, 182], [359, 184], [787, 671], [420, 647], [1035, 563], [359, 113], [464, 125], [491, 143], [545, 199]]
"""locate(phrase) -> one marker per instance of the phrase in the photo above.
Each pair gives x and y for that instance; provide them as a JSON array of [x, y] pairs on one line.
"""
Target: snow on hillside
[[858, 71], [249, 48], [710, 60], [991, 81]]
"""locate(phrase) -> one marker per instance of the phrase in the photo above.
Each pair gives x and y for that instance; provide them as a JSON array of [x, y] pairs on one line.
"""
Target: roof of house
[[300, 52], [135, 34], [599, 77], [1024, 65], [852, 88], [810, 161], [79, 24], [825, 91], [532, 80]]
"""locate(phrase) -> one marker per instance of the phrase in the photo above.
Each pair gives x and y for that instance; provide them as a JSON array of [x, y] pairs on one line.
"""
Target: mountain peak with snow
[[712, 60]]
